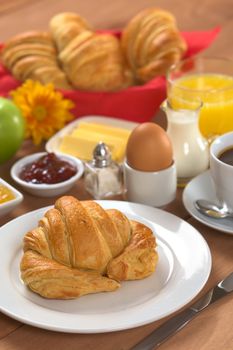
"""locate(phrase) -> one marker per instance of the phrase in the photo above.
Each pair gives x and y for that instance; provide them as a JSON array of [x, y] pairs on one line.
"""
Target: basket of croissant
[[119, 74], [80, 248]]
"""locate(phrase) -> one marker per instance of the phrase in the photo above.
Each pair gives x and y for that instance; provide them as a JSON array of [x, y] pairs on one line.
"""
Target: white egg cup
[[151, 188]]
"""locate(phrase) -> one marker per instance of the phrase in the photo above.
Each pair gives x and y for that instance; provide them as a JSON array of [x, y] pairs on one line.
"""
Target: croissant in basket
[[33, 55], [151, 43], [66, 26], [95, 62], [90, 60], [80, 248], [74, 56]]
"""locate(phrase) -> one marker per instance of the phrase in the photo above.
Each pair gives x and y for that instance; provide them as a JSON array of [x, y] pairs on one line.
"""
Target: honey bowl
[[11, 197], [46, 189]]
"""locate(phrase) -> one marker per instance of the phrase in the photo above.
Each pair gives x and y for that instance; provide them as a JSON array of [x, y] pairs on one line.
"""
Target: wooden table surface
[[212, 329]]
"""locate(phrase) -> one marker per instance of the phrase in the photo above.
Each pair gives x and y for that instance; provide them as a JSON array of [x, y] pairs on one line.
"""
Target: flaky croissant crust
[[80, 248], [151, 43], [74, 56]]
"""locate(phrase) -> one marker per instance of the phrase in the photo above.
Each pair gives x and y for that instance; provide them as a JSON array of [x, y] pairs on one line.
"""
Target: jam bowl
[[47, 174], [10, 198]]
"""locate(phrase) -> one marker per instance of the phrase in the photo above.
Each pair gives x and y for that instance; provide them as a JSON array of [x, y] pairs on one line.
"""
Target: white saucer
[[202, 187]]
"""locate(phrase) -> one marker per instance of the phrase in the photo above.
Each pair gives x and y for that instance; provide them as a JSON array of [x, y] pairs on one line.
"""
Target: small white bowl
[[6, 207], [46, 190]]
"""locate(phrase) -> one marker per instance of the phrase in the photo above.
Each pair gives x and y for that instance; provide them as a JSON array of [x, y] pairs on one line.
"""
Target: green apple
[[11, 129]]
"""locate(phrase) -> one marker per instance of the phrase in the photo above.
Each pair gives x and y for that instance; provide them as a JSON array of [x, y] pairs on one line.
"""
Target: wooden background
[[211, 330]]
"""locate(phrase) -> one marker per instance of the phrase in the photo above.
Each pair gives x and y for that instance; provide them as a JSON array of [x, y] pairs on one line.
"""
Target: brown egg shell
[[149, 148]]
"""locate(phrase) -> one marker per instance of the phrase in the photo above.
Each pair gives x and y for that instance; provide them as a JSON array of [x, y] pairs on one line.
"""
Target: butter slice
[[116, 144], [105, 129], [83, 139], [82, 147], [78, 147]]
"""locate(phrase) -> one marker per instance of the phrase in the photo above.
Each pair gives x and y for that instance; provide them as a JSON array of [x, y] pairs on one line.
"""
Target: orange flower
[[44, 109]]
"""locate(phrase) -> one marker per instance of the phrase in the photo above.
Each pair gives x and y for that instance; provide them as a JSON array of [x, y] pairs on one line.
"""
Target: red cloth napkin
[[138, 103]]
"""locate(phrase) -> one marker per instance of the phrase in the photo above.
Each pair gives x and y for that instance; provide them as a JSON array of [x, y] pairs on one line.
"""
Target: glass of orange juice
[[205, 80]]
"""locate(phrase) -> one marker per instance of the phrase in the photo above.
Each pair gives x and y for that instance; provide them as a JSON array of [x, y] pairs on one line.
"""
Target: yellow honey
[[6, 194]]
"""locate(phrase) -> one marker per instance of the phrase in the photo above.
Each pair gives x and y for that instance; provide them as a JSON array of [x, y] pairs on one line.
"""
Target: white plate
[[202, 187], [54, 142], [183, 269]]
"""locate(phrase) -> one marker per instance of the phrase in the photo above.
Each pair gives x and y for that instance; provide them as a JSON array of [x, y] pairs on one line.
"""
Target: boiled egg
[[149, 148]]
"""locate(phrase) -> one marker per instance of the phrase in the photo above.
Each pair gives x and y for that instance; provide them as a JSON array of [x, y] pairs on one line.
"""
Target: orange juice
[[215, 91]]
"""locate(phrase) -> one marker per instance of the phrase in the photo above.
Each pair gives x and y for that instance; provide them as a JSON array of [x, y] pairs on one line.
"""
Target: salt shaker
[[103, 177]]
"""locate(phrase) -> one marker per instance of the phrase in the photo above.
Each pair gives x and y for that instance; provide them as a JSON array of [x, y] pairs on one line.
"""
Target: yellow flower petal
[[44, 109]]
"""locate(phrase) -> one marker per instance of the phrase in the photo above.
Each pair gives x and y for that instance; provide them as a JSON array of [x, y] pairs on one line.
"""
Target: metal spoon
[[212, 210]]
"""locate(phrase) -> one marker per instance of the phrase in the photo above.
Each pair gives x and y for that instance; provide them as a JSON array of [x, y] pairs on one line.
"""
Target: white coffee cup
[[151, 188], [221, 172]]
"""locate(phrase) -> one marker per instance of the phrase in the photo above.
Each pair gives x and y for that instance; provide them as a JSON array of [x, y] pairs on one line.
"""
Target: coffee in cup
[[221, 168], [226, 156]]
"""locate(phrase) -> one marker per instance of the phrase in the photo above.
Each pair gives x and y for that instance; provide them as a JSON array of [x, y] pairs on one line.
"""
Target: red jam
[[48, 169]]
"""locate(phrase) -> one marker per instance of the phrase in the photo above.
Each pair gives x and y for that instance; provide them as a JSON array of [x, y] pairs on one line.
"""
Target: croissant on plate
[[152, 43], [79, 248]]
